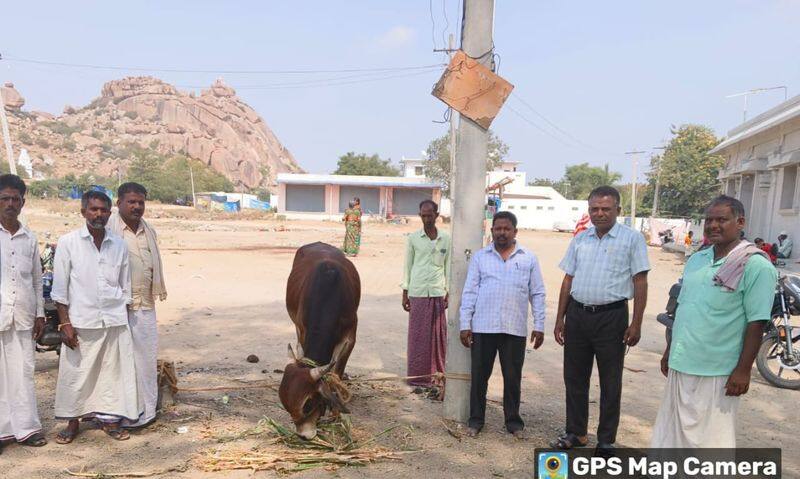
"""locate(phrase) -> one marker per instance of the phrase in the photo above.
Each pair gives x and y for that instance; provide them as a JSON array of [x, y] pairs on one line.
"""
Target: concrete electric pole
[[468, 198], [12, 165], [633, 185]]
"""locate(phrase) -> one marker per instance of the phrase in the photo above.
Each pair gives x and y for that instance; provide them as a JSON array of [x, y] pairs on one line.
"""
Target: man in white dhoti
[[92, 290], [21, 319], [147, 284], [725, 300]]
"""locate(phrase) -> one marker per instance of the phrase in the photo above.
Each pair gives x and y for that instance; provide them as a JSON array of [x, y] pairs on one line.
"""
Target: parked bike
[[50, 339], [778, 359]]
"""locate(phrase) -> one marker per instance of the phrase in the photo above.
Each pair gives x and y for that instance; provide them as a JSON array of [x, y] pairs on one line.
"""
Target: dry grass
[[336, 445]]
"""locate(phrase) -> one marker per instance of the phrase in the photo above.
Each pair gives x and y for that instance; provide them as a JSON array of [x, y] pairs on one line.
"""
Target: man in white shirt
[[92, 290], [21, 319]]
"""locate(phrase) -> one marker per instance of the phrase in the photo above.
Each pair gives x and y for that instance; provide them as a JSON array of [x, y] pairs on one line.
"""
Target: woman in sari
[[352, 225], [357, 205]]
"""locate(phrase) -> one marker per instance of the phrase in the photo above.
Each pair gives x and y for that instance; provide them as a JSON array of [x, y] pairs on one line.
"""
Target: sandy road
[[226, 281]]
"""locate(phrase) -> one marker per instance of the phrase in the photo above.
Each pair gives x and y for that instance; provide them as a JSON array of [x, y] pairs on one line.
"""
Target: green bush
[[25, 138], [42, 143], [131, 114], [167, 178], [69, 145], [61, 128]]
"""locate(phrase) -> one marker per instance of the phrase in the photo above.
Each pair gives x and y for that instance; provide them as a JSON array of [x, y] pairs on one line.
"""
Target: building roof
[[353, 180], [773, 117]]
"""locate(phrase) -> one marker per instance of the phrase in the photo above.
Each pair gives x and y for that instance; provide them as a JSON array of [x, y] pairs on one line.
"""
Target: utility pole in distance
[[633, 186], [658, 183], [468, 198]]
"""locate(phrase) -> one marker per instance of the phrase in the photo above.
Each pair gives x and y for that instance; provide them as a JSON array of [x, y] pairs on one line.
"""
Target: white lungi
[[145, 354], [695, 412], [98, 378], [19, 418]]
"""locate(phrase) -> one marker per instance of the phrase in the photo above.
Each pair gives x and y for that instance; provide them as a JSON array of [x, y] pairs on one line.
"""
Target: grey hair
[[94, 195]]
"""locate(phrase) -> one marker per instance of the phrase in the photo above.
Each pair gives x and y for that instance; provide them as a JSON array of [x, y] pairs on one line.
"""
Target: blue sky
[[613, 75]]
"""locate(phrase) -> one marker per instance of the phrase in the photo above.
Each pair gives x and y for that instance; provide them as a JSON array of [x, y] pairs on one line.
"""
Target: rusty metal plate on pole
[[472, 89]]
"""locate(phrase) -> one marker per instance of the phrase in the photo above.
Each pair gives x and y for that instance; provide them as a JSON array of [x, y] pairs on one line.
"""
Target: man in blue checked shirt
[[502, 279], [604, 267]]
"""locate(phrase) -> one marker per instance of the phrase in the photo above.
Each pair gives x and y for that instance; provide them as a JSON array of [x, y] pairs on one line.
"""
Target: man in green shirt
[[722, 310], [425, 280]]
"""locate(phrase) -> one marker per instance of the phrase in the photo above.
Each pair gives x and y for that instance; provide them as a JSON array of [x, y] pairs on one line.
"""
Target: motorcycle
[[50, 339], [778, 359]]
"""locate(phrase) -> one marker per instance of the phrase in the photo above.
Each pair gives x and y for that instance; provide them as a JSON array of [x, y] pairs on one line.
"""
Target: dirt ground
[[226, 277]]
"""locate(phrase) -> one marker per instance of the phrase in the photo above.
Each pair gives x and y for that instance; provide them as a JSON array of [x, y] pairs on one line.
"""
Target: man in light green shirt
[[425, 282], [718, 327]]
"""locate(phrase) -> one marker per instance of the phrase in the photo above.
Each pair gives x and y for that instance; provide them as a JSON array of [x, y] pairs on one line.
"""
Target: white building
[[536, 207], [308, 196], [761, 169]]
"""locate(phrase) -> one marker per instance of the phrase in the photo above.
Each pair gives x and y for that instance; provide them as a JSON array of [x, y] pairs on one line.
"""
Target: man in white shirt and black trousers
[[92, 291], [502, 279]]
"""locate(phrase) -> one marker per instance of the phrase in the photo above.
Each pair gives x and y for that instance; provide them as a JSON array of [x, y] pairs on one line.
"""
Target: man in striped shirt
[[605, 266], [502, 279]]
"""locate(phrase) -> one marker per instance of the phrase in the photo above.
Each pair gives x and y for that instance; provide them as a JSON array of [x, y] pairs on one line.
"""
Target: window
[[789, 184], [511, 207], [523, 207], [540, 207], [418, 170], [551, 208], [574, 208]]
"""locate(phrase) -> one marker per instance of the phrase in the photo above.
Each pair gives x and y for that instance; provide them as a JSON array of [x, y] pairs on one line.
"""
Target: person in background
[[767, 248], [725, 301], [425, 282], [357, 205], [687, 244], [21, 319], [502, 279], [784, 246], [147, 285], [352, 229]]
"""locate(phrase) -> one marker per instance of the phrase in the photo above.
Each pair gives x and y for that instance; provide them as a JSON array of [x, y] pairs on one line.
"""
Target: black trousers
[[512, 355], [589, 336]]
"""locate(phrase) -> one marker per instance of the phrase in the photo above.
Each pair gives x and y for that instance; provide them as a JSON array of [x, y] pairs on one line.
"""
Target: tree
[[363, 165], [437, 160], [688, 173], [579, 180]]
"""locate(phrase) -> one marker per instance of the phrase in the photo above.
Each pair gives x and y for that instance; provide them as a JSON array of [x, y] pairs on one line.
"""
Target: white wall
[[544, 214]]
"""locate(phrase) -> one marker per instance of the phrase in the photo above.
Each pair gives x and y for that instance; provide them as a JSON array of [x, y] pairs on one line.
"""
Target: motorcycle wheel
[[768, 363]]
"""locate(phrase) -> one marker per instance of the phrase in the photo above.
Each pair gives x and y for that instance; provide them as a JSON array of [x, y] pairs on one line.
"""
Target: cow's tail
[[323, 312]]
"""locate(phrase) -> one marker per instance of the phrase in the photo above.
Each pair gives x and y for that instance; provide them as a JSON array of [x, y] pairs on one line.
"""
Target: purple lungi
[[427, 340]]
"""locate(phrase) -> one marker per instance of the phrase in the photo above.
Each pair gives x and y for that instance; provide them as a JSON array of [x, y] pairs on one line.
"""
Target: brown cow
[[322, 298]]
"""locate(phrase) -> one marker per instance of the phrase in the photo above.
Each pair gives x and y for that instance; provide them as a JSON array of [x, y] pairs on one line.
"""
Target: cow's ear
[[332, 397]]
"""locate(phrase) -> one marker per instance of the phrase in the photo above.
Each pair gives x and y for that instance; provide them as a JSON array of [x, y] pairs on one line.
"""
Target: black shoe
[[605, 450]]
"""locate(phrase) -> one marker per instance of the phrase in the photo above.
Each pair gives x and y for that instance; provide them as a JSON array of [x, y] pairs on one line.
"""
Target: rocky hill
[[215, 127]]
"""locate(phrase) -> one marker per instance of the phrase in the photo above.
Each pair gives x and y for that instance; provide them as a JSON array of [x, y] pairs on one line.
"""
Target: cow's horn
[[300, 353], [291, 358], [319, 371]]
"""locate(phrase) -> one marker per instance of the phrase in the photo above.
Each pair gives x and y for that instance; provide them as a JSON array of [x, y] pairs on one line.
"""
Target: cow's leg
[[342, 352]]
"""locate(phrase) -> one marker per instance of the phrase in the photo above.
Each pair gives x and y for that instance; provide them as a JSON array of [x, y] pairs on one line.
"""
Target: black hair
[[605, 190], [131, 187], [757, 240], [505, 215], [429, 202], [94, 195], [736, 206], [14, 182]]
